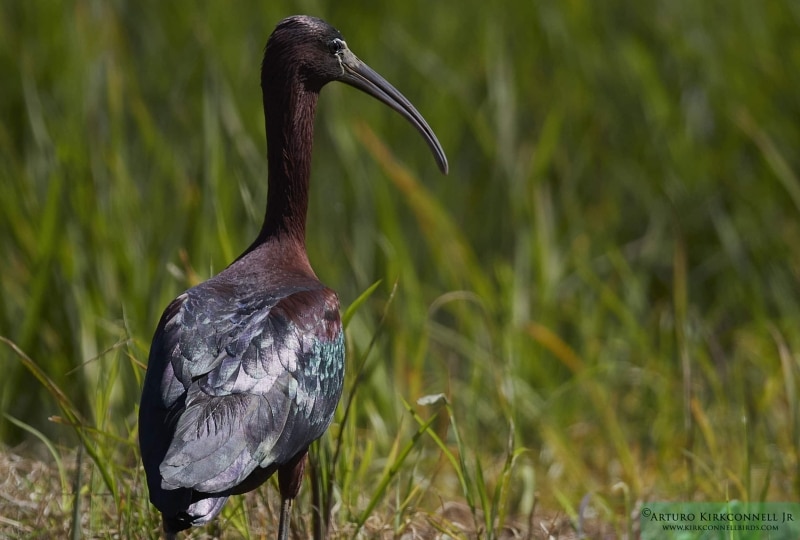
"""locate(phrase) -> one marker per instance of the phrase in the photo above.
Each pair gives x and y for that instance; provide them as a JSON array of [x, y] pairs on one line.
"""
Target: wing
[[232, 386], [244, 384]]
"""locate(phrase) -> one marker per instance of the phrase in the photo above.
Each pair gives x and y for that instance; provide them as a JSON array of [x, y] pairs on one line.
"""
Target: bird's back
[[245, 371]]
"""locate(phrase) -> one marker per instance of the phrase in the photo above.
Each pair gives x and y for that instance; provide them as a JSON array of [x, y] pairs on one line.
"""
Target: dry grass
[[32, 501], [33, 505]]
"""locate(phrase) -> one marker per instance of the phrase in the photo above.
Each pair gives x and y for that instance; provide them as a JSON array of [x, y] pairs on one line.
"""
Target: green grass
[[604, 289]]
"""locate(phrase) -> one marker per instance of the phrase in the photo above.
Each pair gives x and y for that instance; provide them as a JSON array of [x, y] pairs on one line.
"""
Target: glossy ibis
[[246, 369]]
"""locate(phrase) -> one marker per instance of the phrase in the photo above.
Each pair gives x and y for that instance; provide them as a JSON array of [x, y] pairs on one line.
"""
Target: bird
[[246, 369]]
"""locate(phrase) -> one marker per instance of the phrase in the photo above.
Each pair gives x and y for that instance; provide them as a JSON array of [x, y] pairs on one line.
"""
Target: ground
[[33, 504]]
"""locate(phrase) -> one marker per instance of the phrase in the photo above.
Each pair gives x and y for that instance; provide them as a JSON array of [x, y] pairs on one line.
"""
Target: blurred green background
[[609, 273]]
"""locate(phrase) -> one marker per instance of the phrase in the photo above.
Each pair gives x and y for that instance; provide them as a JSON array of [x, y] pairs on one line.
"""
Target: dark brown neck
[[289, 115]]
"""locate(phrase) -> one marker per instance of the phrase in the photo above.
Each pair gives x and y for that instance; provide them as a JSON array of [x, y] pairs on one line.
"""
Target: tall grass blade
[[457, 463], [72, 414], [389, 474], [62, 472], [76, 490], [358, 302]]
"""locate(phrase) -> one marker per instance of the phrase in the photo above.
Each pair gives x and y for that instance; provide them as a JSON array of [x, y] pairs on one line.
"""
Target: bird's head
[[314, 53]]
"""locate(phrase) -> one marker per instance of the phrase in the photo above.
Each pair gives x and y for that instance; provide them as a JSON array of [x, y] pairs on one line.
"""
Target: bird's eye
[[336, 46]]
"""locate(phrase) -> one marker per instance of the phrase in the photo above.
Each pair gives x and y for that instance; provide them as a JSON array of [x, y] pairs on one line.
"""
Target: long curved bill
[[359, 75]]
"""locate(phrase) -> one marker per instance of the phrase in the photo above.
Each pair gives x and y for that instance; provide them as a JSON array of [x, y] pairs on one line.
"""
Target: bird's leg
[[286, 514], [290, 476], [169, 534]]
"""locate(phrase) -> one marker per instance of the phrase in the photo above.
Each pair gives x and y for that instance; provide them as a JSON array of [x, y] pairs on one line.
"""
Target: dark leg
[[290, 476], [169, 532], [286, 514]]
